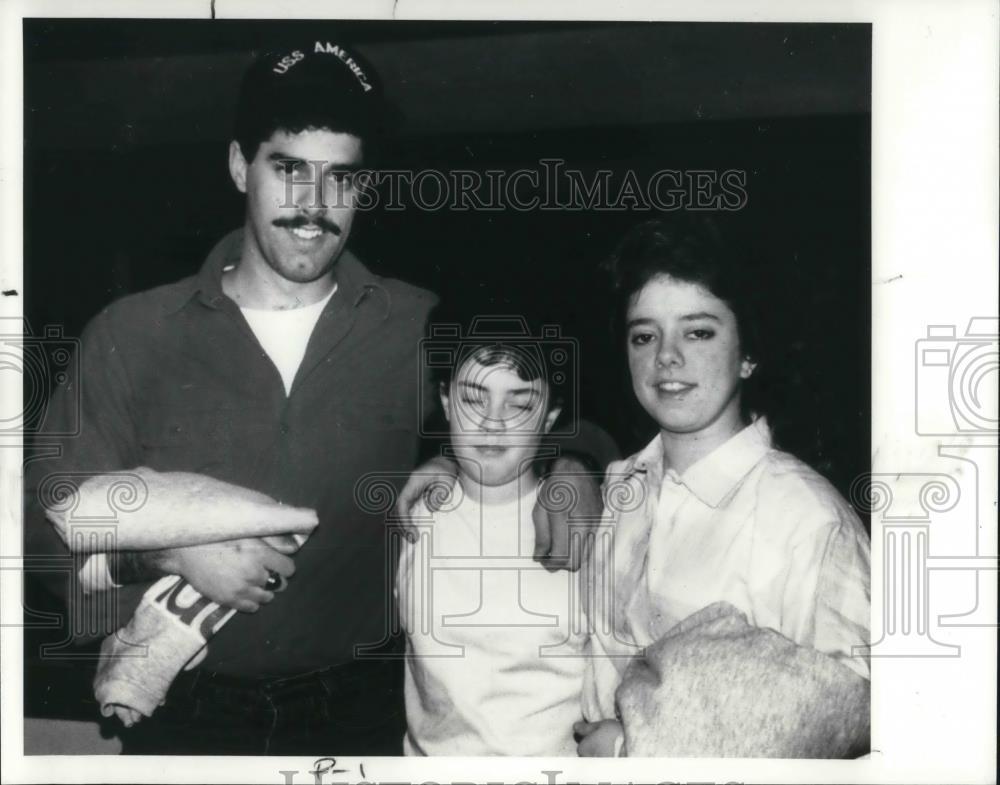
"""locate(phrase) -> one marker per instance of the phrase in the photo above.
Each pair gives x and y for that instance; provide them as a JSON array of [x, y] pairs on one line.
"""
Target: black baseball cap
[[320, 84]]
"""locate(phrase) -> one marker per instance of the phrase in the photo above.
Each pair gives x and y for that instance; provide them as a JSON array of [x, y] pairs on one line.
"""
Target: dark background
[[126, 184]]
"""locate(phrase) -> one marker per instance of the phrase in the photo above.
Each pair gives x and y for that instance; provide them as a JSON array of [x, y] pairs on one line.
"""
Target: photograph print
[[439, 388]]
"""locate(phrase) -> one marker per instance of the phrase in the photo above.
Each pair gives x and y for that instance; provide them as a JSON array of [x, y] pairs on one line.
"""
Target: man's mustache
[[298, 221]]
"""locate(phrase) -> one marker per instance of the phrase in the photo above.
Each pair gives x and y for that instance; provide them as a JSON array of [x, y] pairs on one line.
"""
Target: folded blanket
[[169, 510], [714, 686]]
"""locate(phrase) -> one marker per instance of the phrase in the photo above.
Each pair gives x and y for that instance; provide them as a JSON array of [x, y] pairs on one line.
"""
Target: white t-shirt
[[284, 334], [494, 663]]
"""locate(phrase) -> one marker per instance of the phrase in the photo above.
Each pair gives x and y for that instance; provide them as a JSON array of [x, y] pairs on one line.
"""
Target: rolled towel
[[169, 632], [139, 662], [143, 509]]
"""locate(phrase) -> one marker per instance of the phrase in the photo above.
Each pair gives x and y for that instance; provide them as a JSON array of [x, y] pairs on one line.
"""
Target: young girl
[[494, 662], [715, 512]]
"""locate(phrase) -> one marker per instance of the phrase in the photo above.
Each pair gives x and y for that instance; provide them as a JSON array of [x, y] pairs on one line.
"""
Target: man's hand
[[598, 739], [434, 482], [232, 573], [570, 494]]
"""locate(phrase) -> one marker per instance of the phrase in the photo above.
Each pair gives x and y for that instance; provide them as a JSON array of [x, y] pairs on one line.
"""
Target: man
[[287, 367]]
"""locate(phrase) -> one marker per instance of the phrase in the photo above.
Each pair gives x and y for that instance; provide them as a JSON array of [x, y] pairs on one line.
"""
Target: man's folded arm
[[95, 410]]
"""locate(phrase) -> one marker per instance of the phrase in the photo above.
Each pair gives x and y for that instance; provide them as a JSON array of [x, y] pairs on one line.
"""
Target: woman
[[711, 512]]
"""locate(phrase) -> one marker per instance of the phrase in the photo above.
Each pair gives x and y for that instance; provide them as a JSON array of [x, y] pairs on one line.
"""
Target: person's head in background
[[686, 308], [500, 394], [308, 120]]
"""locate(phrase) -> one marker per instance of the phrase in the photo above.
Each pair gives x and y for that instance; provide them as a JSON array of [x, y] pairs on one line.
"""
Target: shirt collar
[[649, 457], [713, 477], [355, 282]]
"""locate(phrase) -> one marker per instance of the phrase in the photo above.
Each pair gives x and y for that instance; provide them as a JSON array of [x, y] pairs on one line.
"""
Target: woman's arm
[[826, 598]]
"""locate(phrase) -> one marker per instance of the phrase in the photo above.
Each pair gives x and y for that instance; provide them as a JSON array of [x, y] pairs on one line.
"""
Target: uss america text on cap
[[319, 84]]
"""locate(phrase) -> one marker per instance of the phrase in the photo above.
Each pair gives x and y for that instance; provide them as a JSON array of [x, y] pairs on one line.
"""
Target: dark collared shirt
[[174, 379]]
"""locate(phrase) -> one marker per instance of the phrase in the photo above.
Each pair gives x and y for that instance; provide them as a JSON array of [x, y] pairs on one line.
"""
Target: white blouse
[[747, 524]]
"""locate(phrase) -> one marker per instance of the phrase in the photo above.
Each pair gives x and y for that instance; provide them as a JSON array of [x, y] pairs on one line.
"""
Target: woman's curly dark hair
[[693, 248]]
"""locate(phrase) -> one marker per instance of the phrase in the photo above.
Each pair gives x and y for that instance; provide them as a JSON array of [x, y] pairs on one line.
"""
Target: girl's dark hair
[[494, 329], [497, 330], [693, 248]]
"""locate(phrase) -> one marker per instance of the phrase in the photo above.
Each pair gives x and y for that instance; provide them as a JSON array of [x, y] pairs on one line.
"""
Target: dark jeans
[[348, 710]]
